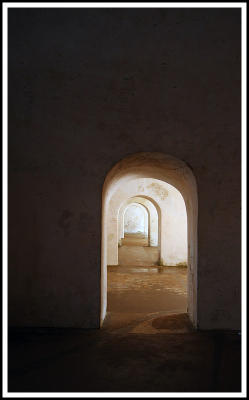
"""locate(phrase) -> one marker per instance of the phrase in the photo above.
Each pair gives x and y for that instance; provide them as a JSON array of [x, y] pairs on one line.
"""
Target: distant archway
[[153, 219], [169, 170], [136, 218]]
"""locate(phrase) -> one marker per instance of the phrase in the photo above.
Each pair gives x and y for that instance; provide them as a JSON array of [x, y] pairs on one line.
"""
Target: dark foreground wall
[[87, 88]]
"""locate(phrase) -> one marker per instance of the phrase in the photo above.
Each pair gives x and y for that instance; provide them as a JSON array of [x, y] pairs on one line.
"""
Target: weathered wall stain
[[158, 190], [84, 221], [65, 221]]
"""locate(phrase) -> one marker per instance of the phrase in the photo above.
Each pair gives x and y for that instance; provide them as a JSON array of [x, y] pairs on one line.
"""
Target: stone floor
[[140, 290], [70, 360], [135, 239], [139, 294], [147, 344], [136, 252]]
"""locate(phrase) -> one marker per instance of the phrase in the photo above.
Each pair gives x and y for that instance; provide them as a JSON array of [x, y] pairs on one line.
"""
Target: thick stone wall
[[86, 89]]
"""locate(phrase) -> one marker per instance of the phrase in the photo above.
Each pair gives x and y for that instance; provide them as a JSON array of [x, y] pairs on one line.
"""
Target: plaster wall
[[88, 87]]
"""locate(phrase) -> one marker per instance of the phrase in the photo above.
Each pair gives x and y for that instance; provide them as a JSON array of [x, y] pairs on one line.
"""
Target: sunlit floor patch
[[135, 251], [138, 294], [139, 290]]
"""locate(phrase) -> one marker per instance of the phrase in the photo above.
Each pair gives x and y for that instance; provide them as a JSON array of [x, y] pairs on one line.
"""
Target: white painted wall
[[136, 219]]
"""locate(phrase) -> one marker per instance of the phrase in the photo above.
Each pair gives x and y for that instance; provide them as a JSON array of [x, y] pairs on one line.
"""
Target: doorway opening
[[138, 232], [149, 239], [135, 224]]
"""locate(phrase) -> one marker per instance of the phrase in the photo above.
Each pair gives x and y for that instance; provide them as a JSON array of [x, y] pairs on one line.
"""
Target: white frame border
[[5, 6]]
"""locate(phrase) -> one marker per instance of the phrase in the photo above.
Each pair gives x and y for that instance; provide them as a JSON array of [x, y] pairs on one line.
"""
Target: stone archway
[[169, 170], [153, 216], [136, 218]]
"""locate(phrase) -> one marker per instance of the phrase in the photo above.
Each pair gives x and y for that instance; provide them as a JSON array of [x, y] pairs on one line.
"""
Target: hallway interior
[[140, 291], [135, 251]]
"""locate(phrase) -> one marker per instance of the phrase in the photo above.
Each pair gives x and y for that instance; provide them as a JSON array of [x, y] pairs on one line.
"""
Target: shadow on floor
[[70, 360]]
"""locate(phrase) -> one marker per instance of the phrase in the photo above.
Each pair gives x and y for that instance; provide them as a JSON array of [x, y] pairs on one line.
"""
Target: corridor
[[139, 290]]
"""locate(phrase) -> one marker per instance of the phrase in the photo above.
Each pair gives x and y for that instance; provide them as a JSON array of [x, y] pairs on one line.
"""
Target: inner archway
[[179, 178], [136, 219], [153, 218], [138, 242]]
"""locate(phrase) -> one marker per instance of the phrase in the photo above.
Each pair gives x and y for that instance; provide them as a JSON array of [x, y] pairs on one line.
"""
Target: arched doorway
[[136, 219], [153, 218], [173, 172]]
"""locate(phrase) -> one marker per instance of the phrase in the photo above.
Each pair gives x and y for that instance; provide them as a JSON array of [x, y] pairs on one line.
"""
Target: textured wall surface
[[87, 88]]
